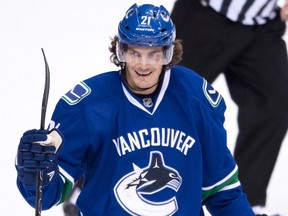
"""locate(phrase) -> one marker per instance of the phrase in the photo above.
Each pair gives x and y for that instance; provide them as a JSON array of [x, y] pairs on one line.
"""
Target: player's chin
[[141, 84]]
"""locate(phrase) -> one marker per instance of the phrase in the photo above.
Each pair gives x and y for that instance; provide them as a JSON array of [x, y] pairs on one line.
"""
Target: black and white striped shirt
[[248, 12]]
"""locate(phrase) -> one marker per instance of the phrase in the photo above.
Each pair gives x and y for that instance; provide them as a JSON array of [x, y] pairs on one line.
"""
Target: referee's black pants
[[254, 63]]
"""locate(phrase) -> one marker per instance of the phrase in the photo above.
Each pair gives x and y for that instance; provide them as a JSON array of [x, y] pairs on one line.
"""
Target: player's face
[[143, 68]]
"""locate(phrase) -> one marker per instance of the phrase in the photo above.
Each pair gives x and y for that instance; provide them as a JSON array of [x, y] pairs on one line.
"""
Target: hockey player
[[149, 139]]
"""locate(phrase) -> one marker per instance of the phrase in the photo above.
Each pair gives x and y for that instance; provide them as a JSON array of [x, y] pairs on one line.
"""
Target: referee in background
[[243, 40]]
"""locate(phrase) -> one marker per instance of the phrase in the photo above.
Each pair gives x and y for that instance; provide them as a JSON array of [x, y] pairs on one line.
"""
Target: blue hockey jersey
[[158, 155]]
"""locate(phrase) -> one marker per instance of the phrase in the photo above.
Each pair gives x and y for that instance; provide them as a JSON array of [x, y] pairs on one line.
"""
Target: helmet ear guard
[[147, 25]]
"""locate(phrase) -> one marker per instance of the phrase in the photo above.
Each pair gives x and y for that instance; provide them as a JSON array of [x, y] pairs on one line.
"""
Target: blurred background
[[75, 36]]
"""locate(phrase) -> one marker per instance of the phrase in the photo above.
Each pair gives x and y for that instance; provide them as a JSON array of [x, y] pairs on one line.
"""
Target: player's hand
[[38, 151]]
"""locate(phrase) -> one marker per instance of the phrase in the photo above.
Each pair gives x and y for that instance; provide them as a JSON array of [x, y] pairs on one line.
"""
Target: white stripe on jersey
[[215, 4], [252, 11], [234, 9], [257, 13]]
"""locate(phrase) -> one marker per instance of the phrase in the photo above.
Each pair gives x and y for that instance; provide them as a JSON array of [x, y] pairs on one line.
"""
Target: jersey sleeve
[[221, 189], [70, 117]]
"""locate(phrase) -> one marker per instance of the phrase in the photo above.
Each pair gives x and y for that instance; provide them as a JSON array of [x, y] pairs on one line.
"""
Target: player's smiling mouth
[[143, 74]]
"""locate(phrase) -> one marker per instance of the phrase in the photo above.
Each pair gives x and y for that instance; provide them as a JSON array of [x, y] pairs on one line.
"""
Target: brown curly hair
[[176, 58]]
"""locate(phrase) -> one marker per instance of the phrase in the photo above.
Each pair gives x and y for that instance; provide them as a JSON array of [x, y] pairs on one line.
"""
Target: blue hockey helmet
[[147, 25]]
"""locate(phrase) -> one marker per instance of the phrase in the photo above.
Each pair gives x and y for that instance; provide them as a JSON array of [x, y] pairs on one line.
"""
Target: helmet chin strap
[[124, 79]]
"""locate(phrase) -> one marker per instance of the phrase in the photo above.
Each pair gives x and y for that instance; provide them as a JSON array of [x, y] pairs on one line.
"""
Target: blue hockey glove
[[37, 151]]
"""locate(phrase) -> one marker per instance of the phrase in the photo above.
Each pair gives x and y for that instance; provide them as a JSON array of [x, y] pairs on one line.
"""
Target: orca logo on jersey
[[76, 94], [211, 94], [135, 191]]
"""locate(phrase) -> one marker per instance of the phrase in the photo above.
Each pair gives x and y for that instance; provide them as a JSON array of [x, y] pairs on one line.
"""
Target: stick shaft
[[39, 176]]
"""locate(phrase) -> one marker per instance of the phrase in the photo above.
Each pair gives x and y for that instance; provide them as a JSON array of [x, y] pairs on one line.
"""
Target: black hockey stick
[[39, 180]]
